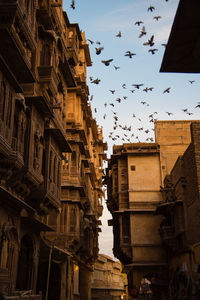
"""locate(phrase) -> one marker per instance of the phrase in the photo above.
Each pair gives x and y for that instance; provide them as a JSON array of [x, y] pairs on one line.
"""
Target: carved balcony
[[19, 46], [47, 74]]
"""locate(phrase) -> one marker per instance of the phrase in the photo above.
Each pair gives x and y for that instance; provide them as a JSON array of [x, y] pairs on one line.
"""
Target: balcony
[[47, 74], [19, 46], [68, 73]]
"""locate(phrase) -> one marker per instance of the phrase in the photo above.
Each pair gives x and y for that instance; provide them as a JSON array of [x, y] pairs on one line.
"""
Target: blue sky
[[101, 21]]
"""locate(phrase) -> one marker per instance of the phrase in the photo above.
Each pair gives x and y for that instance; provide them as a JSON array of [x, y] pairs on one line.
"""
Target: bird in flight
[[150, 42], [166, 90], [198, 105], [112, 91], [157, 18], [132, 91], [150, 8], [142, 32], [137, 85], [153, 50], [129, 54], [96, 81], [72, 4], [169, 113], [98, 50], [191, 81], [116, 68], [139, 23], [119, 34], [98, 43], [107, 62], [124, 85], [91, 42], [151, 89], [184, 109]]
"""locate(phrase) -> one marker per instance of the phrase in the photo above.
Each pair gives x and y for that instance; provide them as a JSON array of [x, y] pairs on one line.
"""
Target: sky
[[131, 107]]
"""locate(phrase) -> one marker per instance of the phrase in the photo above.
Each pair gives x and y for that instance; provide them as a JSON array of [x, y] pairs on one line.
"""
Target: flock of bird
[[130, 132]]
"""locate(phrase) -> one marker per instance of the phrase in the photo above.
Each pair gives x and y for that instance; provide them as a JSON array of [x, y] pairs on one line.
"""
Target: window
[[45, 57], [132, 168]]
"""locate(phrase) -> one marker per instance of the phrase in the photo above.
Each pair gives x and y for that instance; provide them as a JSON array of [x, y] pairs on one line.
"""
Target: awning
[[58, 254]]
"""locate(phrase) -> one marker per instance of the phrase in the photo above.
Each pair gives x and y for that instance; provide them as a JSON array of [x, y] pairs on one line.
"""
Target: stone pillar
[[63, 281], [69, 280], [85, 283]]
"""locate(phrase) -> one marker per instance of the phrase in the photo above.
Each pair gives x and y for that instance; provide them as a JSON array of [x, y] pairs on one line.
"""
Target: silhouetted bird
[[96, 81], [157, 18], [137, 86], [107, 62], [191, 81], [91, 42], [166, 90], [151, 8], [116, 68], [72, 4], [143, 32], [98, 50], [152, 50], [139, 23], [129, 54], [149, 42], [112, 91], [119, 34]]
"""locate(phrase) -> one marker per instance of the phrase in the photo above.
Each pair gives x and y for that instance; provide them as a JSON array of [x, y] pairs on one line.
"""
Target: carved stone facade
[[51, 154], [107, 280], [135, 177]]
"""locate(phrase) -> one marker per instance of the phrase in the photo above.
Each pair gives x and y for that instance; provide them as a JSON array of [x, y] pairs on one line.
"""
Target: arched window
[[45, 58], [2, 100]]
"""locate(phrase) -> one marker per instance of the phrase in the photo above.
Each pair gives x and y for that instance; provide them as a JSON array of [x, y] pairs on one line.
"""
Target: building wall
[[173, 137], [107, 279]]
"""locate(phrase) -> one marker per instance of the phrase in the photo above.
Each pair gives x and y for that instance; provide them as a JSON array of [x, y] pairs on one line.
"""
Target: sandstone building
[[135, 176], [107, 279], [179, 227], [51, 154]]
